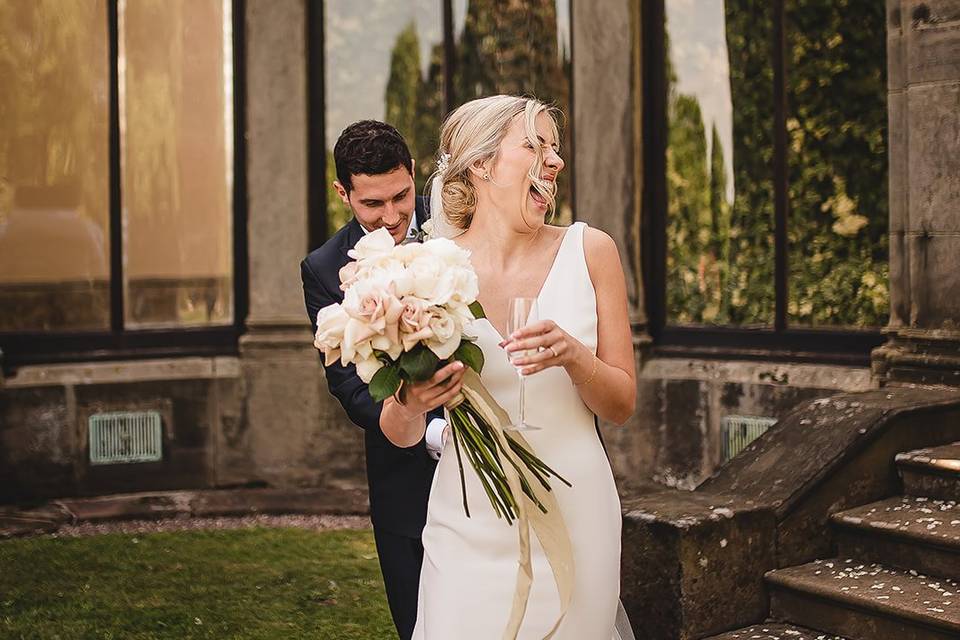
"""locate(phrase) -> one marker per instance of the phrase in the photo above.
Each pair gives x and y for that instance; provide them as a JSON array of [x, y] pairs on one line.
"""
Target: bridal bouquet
[[403, 317]]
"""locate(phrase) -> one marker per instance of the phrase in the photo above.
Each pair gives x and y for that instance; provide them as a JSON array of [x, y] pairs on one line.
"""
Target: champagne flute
[[521, 312]]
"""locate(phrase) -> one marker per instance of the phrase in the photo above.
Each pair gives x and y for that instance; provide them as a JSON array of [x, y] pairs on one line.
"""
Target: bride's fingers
[[539, 357], [444, 374], [430, 395], [553, 340], [422, 395], [449, 394], [532, 330]]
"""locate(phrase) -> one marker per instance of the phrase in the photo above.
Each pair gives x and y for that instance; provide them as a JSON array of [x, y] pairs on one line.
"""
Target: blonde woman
[[493, 194]]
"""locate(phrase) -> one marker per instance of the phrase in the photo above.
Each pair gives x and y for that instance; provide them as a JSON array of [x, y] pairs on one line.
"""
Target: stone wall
[[214, 432], [44, 413], [674, 438]]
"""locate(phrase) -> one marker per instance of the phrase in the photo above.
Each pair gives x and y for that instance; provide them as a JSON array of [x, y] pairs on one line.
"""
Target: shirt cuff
[[436, 437]]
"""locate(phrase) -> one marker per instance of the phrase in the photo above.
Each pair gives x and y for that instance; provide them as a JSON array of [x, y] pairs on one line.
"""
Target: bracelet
[[404, 411], [593, 374]]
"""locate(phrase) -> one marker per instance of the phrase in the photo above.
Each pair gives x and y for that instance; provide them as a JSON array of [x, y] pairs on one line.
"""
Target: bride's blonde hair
[[472, 134]]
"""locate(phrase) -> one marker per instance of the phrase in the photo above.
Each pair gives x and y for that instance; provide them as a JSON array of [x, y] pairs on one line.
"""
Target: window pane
[[176, 127], [54, 163], [384, 60], [837, 137], [720, 199], [518, 48]]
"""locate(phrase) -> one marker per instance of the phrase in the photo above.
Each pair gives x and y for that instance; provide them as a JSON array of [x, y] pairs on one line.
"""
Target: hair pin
[[443, 163]]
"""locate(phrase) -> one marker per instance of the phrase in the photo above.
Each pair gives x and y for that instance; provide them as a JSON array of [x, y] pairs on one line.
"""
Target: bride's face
[[510, 185]]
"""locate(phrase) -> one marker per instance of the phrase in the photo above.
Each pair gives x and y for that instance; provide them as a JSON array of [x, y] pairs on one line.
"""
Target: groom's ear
[[341, 192]]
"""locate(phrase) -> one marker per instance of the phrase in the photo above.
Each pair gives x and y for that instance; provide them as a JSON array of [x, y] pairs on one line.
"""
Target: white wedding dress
[[470, 564]]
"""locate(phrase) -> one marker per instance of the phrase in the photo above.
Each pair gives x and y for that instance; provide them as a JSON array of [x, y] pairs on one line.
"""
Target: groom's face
[[382, 201]]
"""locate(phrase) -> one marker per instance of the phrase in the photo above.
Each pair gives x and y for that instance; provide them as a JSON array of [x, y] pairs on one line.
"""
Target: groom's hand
[[420, 397]]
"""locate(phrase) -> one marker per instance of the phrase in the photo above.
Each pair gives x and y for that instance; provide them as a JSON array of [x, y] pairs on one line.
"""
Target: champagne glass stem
[[521, 419]]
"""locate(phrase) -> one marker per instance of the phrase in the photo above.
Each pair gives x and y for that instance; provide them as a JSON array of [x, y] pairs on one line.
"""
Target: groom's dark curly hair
[[369, 147]]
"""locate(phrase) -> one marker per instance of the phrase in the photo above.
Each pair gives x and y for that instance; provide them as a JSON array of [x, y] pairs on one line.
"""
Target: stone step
[[933, 472], [775, 631], [906, 532], [865, 601]]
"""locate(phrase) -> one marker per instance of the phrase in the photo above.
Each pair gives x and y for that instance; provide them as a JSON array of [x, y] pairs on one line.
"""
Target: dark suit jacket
[[399, 479]]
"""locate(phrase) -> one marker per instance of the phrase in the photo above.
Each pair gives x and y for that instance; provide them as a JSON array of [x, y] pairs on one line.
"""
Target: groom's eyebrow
[[373, 202]]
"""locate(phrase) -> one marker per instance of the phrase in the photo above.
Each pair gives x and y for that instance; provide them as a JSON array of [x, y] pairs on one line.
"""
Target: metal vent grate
[[736, 432], [125, 436]]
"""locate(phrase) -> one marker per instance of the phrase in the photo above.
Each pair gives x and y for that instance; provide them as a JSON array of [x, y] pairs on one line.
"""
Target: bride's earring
[[486, 176]]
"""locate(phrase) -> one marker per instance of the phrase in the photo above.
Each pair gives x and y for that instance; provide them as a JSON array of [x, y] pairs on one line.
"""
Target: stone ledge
[[685, 553], [814, 376], [181, 504], [124, 371]]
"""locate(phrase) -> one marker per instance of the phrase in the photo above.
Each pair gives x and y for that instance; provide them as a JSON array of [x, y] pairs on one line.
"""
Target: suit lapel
[[352, 236]]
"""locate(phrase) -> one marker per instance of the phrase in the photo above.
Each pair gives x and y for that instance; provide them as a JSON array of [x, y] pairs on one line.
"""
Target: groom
[[375, 179]]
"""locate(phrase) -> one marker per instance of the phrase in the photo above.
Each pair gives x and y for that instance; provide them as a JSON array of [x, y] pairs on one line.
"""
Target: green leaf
[[384, 383], [477, 310], [470, 354], [419, 364]]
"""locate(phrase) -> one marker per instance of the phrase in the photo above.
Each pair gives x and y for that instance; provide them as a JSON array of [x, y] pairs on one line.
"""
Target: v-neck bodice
[[568, 298], [570, 243]]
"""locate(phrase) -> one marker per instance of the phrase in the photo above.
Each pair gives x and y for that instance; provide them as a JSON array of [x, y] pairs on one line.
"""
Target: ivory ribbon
[[549, 527]]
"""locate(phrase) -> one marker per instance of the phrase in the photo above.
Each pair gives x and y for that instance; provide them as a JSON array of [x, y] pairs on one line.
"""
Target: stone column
[[276, 162], [923, 50], [292, 433], [607, 132]]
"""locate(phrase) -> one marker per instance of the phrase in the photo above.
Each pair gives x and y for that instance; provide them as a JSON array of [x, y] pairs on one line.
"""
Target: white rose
[[375, 315], [466, 286], [331, 322], [433, 280], [409, 252], [461, 311], [349, 274], [356, 342], [390, 275], [373, 246], [446, 333], [367, 367], [414, 322], [443, 273], [448, 251]]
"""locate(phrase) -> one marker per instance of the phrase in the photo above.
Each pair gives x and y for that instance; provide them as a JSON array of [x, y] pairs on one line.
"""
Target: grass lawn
[[261, 583]]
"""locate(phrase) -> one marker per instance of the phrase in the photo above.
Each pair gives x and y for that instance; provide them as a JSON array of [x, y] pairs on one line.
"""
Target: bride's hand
[[418, 398], [553, 347]]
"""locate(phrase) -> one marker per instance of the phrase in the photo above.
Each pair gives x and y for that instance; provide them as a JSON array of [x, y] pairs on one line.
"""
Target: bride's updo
[[472, 134]]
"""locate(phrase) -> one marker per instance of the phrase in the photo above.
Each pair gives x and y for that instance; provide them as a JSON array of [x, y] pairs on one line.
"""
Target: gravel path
[[315, 523]]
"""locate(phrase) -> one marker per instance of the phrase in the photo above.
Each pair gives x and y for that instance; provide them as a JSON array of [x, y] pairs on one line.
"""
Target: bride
[[493, 192]]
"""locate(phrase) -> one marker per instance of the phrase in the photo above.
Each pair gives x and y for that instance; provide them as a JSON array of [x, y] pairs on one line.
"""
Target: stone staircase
[[897, 571]]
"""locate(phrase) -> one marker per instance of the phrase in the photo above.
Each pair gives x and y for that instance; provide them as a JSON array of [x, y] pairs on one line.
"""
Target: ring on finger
[[554, 352]]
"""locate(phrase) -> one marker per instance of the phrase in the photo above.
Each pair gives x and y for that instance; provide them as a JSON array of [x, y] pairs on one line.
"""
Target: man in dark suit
[[375, 179]]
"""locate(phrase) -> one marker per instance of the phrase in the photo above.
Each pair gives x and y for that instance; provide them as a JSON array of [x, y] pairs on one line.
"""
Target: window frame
[[316, 109], [118, 342], [779, 342]]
